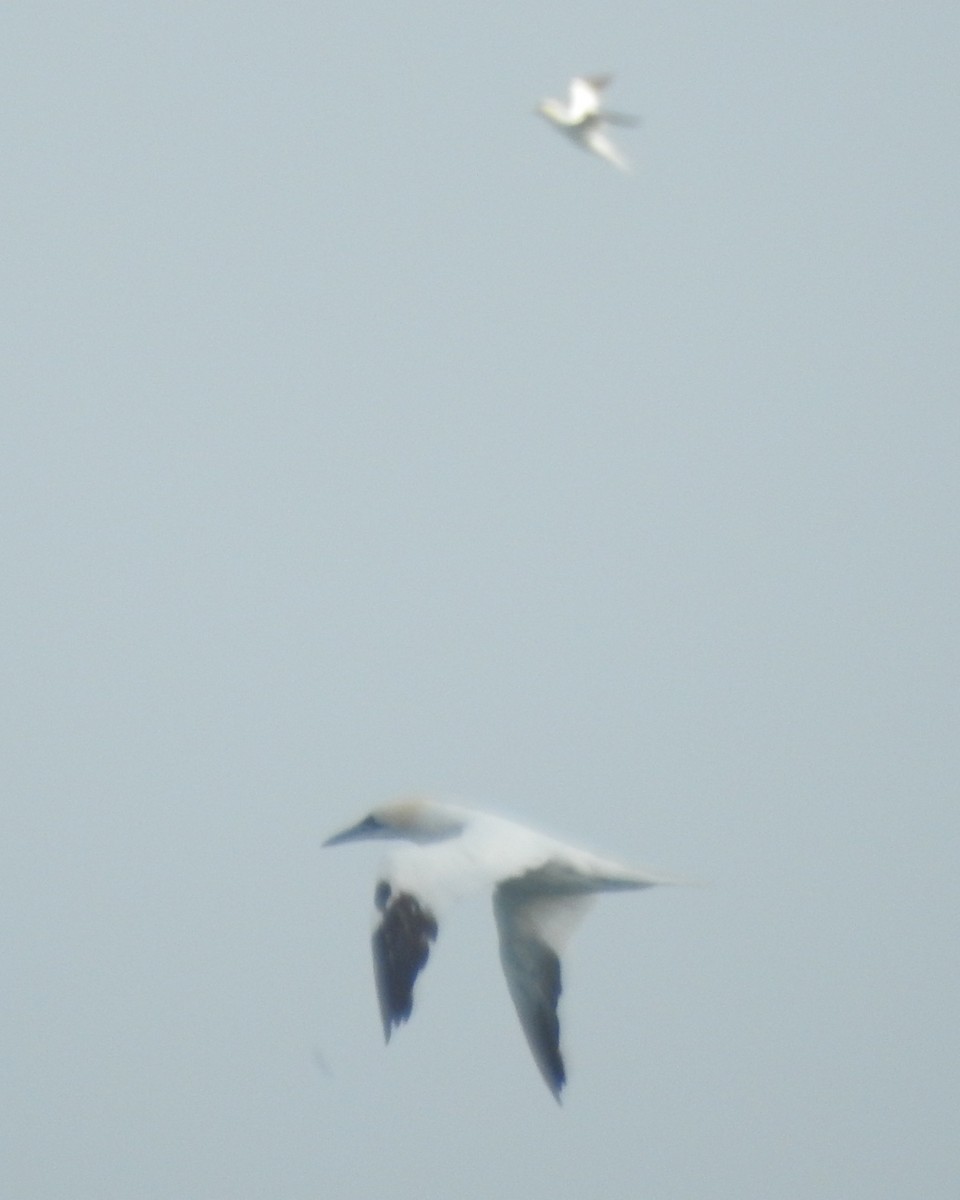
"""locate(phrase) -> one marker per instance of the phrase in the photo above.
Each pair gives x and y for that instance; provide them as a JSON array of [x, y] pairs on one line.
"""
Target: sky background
[[360, 435]]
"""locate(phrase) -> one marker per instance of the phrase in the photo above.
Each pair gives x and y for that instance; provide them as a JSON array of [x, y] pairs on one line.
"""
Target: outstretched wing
[[401, 947], [534, 919], [597, 141]]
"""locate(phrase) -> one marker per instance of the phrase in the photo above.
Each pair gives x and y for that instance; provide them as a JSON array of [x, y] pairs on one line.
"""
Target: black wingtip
[[401, 947], [556, 1078]]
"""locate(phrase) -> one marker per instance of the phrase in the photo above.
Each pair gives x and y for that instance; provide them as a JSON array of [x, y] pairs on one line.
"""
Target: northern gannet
[[582, 119], [541, 888]]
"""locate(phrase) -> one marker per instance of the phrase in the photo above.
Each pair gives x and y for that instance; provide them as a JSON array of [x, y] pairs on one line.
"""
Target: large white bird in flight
[[541, 889], [582, 119]]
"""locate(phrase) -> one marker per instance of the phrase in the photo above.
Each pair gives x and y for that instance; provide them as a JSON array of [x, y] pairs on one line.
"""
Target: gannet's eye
[[381, 897]]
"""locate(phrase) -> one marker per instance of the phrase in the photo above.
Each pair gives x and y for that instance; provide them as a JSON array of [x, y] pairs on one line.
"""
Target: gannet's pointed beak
[[369, 827]]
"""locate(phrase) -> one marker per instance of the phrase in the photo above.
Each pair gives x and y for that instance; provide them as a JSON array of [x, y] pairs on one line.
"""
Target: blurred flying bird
[[583, 120], [541, 888]]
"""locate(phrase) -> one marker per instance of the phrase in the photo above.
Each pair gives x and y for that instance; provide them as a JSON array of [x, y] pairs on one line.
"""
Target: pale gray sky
[[361, 435]]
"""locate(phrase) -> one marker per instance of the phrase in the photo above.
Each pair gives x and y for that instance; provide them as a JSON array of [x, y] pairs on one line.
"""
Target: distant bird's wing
[[585, 96], [535, 914], [597, 141], [401, 947]]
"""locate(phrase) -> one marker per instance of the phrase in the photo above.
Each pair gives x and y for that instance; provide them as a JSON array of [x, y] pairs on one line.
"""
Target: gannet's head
[[413, 819]]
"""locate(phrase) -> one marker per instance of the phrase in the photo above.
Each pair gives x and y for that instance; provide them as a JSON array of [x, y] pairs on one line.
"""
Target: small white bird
[[541, 889], [583, 120]]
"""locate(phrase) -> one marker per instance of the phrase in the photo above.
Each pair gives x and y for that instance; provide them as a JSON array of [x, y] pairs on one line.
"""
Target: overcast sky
[[362, 435]]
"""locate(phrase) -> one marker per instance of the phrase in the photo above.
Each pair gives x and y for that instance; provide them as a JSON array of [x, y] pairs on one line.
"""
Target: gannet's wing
[[597, 141], [534, 921], [401, 947], [585, 96]]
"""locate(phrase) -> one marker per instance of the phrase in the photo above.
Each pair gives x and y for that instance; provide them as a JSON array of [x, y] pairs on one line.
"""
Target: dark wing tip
[[401, 947], [532, 969], [545, 1031]]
